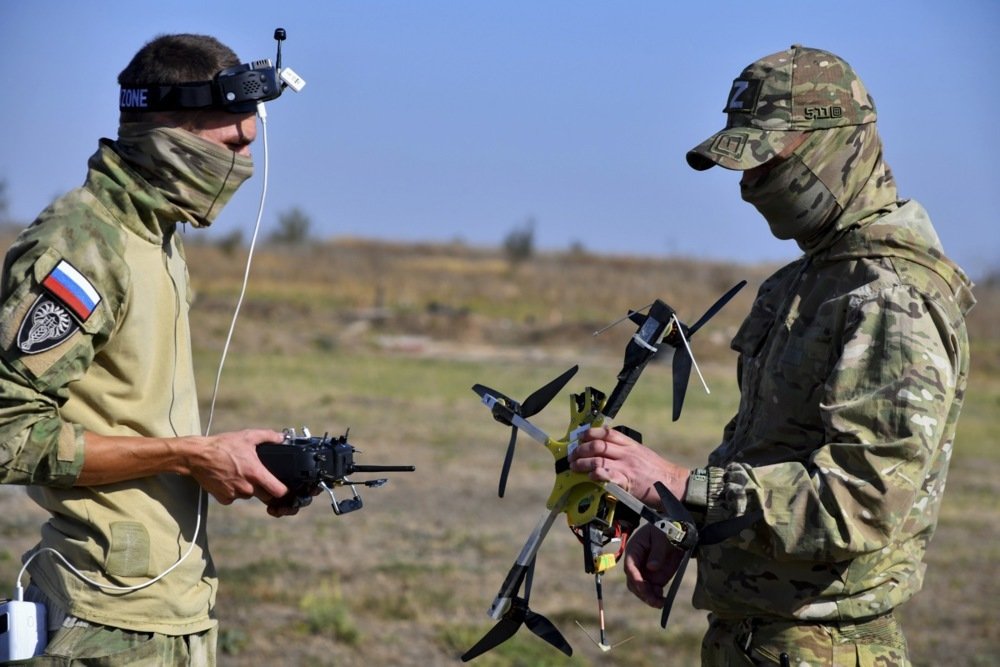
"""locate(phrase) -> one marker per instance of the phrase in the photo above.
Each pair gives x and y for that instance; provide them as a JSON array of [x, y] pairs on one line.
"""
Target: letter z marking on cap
[[743, 96]]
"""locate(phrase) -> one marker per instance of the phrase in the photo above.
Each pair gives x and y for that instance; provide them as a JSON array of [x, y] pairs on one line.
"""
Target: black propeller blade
[[531, 406], [502, 412], [507, 459], [681, 373], [717, 306], [543, 396], [544, 628], [497, 635], [673, 507], [713, 533], [519, 614], [682, 358], [482, 390]]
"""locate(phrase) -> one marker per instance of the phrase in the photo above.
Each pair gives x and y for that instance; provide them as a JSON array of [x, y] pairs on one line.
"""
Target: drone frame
[[579, 497]]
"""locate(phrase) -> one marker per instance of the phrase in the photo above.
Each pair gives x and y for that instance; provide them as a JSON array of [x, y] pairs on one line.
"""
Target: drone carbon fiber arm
[[638, 352], [681, 533], [515, 577]]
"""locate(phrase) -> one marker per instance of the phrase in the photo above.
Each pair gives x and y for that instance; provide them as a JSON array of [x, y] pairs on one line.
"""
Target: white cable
[[111, 587], [262, 113], [201, 494]]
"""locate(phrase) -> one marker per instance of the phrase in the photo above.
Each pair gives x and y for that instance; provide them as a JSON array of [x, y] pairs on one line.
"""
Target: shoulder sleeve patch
[[46, 325], [72, 289]]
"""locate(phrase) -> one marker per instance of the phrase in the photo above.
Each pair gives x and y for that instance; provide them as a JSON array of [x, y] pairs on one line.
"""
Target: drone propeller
[[517, 615], [532, 405], [673, 507], [713, 533], [482, 390], [543, 396], [682, 355]]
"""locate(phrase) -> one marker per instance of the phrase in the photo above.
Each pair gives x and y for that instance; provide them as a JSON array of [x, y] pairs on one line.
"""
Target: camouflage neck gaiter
[[835, 180], [794, 202], [196, 175]]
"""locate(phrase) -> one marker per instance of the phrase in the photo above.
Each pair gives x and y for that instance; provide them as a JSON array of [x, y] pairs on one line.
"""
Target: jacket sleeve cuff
[[696, 493], [70, 455], [63, 461], [703, 493]]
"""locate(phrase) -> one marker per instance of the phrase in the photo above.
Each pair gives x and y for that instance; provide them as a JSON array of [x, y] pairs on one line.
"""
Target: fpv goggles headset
[[235, 89]]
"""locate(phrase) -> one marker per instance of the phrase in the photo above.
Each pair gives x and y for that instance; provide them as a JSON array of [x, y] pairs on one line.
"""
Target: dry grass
[[387, 340]]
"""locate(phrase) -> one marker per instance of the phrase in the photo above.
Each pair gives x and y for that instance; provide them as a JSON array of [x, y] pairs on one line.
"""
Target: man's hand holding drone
[[650, 563], [607, 455]]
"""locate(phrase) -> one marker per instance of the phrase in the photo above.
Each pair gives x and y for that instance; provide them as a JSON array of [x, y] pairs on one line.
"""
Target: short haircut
[[173, 59]]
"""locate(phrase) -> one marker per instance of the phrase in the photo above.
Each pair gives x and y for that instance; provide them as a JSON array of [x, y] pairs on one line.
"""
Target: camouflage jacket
[[852, 371], [94, 336]]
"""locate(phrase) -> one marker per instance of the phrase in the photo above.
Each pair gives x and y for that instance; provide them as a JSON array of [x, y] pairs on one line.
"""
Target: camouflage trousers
[[873, 642], [77, 643], [81, 644]]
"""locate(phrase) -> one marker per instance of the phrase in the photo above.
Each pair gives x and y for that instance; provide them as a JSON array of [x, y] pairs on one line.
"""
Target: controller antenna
[[279, 36]]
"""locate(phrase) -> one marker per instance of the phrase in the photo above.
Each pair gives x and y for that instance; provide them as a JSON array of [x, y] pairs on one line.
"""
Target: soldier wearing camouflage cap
[[853, 366], [99, 416]]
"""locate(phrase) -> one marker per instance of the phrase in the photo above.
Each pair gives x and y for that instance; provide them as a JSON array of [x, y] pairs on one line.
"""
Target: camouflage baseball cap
[[777, 98]]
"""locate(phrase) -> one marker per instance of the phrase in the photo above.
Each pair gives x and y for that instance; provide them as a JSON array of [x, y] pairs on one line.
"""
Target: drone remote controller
[[305, 463]]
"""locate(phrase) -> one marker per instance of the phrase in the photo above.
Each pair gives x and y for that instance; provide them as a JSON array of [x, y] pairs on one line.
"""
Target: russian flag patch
[[71, 288]]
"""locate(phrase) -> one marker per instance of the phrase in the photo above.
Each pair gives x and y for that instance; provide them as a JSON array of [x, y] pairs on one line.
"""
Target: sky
[[464, 120]]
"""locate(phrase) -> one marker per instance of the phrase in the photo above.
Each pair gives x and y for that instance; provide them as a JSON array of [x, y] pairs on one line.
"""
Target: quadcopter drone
[[601, 515]]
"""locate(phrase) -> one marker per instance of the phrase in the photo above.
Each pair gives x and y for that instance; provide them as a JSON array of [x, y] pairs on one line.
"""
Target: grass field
[[387, 341]]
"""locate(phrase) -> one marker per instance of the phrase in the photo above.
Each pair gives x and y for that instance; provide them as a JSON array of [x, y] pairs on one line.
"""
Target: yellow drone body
[[581, 496]]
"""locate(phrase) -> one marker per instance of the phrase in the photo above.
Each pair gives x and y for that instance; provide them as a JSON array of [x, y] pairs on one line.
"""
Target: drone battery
[[23, 632]]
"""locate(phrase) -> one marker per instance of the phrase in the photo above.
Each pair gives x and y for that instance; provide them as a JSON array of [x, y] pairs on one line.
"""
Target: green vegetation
[[327, 613], [293, 228], [519, 244]]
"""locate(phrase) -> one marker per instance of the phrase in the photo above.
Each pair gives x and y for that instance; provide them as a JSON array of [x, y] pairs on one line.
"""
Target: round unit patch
[[47, 324]]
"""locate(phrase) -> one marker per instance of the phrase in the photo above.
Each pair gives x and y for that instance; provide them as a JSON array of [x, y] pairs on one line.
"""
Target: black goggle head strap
[[235, 89]]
